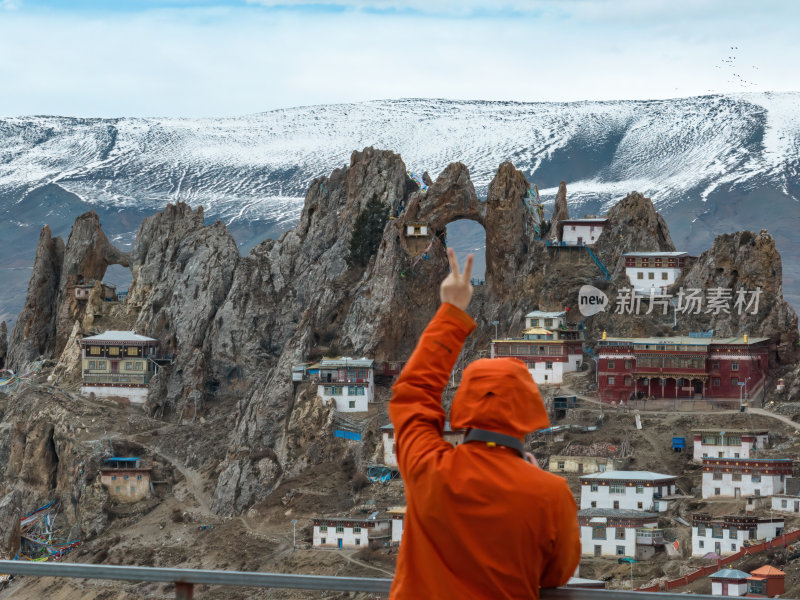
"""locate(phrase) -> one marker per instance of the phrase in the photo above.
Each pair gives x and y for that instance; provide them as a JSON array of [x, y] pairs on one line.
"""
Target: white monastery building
[[349, 382], [581, 232], [628, 533], [738, 477], [726, 535], [653, 272], [549, 346], [628, 490], [728, 443], [334, 532]]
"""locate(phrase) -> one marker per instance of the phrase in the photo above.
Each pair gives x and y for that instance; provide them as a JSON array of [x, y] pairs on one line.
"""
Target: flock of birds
[[736, 78]]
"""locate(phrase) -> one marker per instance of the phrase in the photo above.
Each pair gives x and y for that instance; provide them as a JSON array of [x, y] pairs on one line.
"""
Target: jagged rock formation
[[51, 308], [34, 331], [749, 262], [560, 212], [3, 343], [236, 325]]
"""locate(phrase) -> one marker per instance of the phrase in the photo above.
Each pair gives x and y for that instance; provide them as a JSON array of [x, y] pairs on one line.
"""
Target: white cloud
[[10, 4], [215, 62]]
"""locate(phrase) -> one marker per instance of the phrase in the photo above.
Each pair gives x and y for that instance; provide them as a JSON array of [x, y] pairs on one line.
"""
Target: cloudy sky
[[230, 57]]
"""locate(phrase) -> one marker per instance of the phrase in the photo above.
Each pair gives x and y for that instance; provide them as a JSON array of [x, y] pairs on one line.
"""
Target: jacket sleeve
[[567, 547], [416, 405]]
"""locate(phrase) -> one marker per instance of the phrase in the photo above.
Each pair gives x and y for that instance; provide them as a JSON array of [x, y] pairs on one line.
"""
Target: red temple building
[[681, 367]]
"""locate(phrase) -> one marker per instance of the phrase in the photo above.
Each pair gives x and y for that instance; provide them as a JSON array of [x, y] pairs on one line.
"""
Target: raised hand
[[456, 287]]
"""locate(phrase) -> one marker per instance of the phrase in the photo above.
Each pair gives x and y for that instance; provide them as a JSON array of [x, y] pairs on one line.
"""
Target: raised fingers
[[468, 267], [451, 256]]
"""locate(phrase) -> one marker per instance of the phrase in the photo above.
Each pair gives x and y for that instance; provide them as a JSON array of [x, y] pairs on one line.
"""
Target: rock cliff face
[[235, 325], [3, 343]]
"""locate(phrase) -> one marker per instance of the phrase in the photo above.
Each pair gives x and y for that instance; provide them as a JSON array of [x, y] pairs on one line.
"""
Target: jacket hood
[[498, 394]]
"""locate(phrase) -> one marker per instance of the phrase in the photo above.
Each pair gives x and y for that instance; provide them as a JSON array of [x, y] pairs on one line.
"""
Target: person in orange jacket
[[483, 521]]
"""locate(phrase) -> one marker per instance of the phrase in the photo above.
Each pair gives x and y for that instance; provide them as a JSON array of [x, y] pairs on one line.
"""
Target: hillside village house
[[108, 292], [390, 457], [729, 582], [766, 582], [727, 535], [784, 503], [581, 232], [118, 363], [738, 477], [334, 532], [349, 382], [608, 532], [680, 367], [727, 443], [549, 346], [398, 517], [127, 479], [585, 464], [628, 490], [653, 272]]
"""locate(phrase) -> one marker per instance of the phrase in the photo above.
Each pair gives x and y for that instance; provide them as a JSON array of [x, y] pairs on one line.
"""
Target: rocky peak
[[34, 332], [560, 212], [633, 226]]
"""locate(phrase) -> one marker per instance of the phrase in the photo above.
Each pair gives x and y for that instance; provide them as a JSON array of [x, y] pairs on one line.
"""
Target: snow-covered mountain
[[711, 164]]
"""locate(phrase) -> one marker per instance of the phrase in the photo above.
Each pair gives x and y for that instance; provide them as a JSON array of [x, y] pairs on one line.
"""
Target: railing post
[[184, 591]]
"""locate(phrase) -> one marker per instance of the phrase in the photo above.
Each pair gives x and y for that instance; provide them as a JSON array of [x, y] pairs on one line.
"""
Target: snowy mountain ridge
[[707, 162]]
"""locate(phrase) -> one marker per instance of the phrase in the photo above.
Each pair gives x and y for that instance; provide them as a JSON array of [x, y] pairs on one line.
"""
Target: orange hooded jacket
[[481, 522]]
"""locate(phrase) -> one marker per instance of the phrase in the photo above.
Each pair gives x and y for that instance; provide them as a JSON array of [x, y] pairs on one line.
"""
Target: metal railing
[[109, 378], [186, 579]]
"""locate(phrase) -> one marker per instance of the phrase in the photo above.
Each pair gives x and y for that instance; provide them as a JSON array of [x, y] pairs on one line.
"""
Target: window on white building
[[548, 365], [718, 475], [651, 275], [322, 540], [351, 404], [732, 533], [716, 531], [560, 466], [664, 276], [356, 529], [755, 478], [639, 275], [640, 505], [733, 547], [783, 503], [700, 544], [598, 532], [358, 541], [716, 491], [594, 503], [737, 477], [620, 550], [639, 488], [323, 528], [619, 533], [616, 488], [593, 487], [701, 529], [340, 529]]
